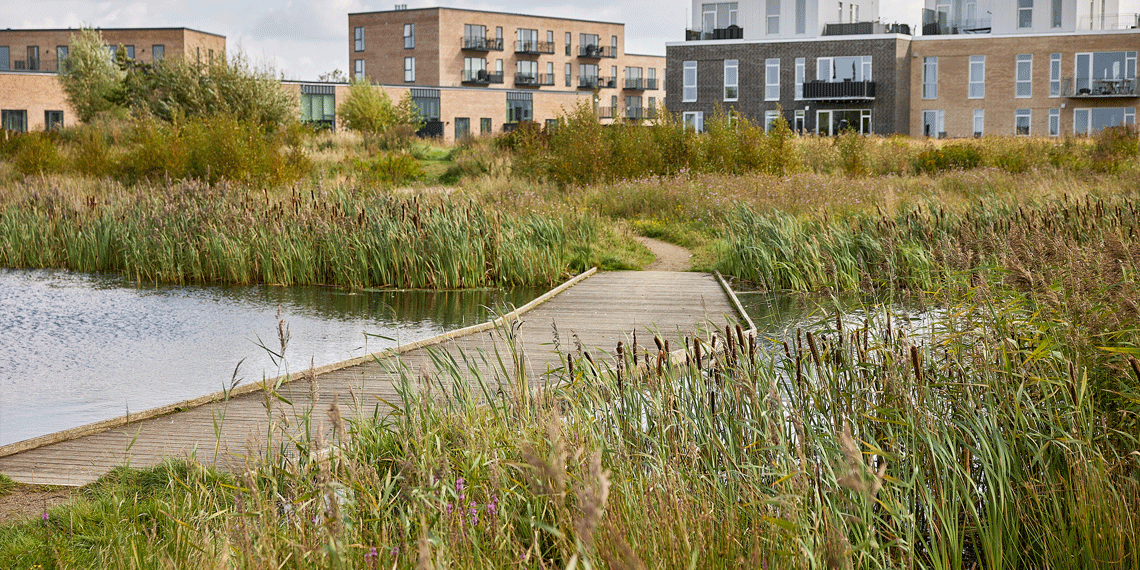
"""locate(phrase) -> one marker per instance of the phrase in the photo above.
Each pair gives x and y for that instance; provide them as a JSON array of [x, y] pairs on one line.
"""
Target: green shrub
[[92, 154], [1114, 147], [90, 79], [956, 156], [369, 110], [853, 158], [36, 154], [389, 168], [156, 151]]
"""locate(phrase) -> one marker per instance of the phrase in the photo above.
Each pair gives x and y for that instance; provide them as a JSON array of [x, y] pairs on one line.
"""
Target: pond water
[[79, 348]]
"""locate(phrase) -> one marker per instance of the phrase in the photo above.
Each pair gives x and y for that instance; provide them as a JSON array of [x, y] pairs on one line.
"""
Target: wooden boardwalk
[[593, 314]]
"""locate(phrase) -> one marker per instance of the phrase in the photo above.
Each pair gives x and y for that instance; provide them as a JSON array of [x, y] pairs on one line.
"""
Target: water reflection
[[79, 348]]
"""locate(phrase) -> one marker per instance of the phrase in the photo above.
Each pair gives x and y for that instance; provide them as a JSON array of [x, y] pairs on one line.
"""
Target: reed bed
[[197, 233], [860, 443]]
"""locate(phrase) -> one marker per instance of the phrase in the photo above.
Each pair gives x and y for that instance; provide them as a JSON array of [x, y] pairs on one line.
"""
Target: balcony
[[730, 33], [1109, 22], [608, 82], [482, 44], [531, 47], [605, 112], [936, 23], [637, 84], [480, 77], [592, 51], [533, 79], [839, 91], [864, 28], [1085, 88]]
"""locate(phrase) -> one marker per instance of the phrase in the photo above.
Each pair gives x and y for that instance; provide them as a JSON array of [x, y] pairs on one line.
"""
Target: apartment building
[[475, 72], [1028, 67], [825, 66], [1003, 67], [31, 97]]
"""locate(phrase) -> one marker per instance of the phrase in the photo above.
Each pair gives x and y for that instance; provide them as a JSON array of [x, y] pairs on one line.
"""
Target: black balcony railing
[[533, 47], [1085, 88], [608, 82], [34, 65], [636, 84], [481, 77], [839, 90], [587, 82], [935, 23], [482, 44], [605, 112], [592, 51], [728, 33], [533, 79]]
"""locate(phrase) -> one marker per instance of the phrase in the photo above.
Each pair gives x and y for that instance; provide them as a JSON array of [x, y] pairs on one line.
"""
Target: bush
[[959, 156], [92, 154], [389, 168], [853, 153], [1114, 147], [89, 78], [369, 110], [36, 154]]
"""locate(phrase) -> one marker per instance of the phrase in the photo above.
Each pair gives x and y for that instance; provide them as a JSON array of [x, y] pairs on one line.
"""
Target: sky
[[303, 39]]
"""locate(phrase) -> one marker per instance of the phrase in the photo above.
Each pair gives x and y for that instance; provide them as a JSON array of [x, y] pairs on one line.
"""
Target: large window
[[850, 68], [1021, 121], [475, 37], [1024, 13], [409, 36], [717, 16], [462, 128], [689, 89], [14, 120], [485, 127], [930, 78], [587, 75], [1054, 75], [358, 69], [157, 52], [979, 122], [731, 92], [633, 107], [520, 107], [1056, 13], [1102, 72], [694, 120], [1089, 121], [836, 122], [800, 72], [53, 120], [61, 56], [474, 69], [526, 40], [427, 103], [358, 39], [1054, 122], [526, 72], [33, 61], [801, 17], [977, 77], [633, 78], [318, 105], [772, 79], [770, 118], [409, 69], [773, 16], [934, 123], [1024, 87]]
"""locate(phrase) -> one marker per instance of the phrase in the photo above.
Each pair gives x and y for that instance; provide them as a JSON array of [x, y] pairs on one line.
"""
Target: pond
[[80, 348]]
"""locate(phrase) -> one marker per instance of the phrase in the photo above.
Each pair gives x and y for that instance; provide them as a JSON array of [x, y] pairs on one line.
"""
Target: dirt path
[[30, 502], [669, 257]]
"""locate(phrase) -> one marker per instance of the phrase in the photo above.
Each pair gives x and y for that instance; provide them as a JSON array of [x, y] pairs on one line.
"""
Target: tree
[[90, 78], [334, 76], [370, 110]]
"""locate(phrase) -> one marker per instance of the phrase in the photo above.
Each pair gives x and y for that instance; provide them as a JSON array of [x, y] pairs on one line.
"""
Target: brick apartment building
[[31, 97], [475, 72], [1005, 67]]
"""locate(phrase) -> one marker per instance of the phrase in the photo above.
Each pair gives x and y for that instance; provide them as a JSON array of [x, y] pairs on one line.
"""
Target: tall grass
[[191, 232]]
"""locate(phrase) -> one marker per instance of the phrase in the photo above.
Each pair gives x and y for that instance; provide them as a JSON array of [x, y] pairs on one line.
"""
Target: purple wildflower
[[459, 486], [449, 508], [371, 556]]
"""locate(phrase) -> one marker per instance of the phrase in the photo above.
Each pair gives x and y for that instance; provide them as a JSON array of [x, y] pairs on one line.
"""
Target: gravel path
[[669, 257]]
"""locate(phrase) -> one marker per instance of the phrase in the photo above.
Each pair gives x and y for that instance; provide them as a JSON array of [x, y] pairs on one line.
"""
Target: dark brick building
[[819, 85]]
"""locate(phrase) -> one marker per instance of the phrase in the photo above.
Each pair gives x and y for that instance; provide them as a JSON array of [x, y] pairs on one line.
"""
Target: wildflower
[[371, 556], [449, 508]]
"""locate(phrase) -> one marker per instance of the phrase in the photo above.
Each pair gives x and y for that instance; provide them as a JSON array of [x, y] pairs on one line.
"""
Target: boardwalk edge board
[[735, 301], [105, 425]]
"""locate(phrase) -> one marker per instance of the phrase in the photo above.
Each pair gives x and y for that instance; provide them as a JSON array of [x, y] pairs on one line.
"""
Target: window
[[652, 79], [568, 47], [61, 53], [850, 68], [318, 105], [520, 107], [587, 75], [485, 126], [209, 56], [773, 11], [1057, 11], [409, 36], [5, 58], [854, 13], [979, 122], [613, 47], [475, 37], [930, 78], [1054, 122], [462, 127], [977, 77], [358, 39], [1024, 75], [551, 124], [613, 76], [549, 79], [800, 78], [730, 80], [1100, 73], [16, 121], [694, 120], [33, 58], [717, 16], [652, 107], [770, 118], [53, 120], [798, 126], [499, 67], [475, 69], [526, 40], [1024, 13], [157, 52], [633, 107], [588, 44], [526, 72], [772, 79], [550, 39], [689, 89], [568, 68], [836, 122], [1089, 121], [358, 69], [801, 17], [1055, 75], [427, 103], [1021, 119], [840, 18], [409, 69], [934, 123]]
